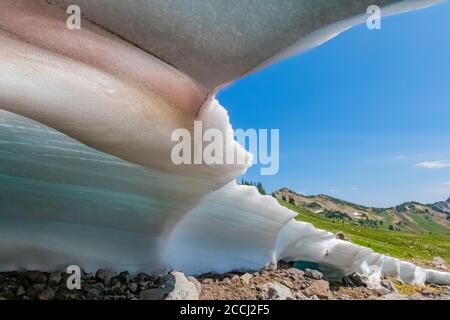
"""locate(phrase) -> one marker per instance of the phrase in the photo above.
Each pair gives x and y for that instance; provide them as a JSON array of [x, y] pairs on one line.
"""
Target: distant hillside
[[411, 217], [443, 206]]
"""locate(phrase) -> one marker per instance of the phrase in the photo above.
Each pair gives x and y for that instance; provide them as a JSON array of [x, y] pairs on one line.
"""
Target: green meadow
[[398, 244]]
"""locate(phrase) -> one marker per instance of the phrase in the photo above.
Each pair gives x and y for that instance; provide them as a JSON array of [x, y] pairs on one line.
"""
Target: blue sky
[[365, 117]]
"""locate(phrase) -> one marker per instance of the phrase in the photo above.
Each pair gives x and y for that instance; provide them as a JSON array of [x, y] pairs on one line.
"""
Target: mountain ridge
[[409, 216]]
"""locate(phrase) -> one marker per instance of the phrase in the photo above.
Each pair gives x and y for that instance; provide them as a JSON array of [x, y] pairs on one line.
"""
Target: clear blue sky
[[359, 113]]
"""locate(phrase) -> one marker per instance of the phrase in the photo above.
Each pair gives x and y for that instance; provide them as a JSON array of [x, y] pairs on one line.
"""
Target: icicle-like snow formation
[[85, 137]]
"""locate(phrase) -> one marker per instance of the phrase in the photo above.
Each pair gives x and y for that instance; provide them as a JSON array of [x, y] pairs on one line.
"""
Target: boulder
[[46, 294], [313, 274], [196, 283], [142, 278], [341, 236], [102, 276], [277, 291], [20, 291], [354, 280], [318, 288], [34, 290], [245, 278], [93, 294], [372, 280], [183, 289], [440, 263], [207, 281], [288, 283], [54, 278], [123, 277], [133, 286], [154, 294], [294, 272], [36, 277]]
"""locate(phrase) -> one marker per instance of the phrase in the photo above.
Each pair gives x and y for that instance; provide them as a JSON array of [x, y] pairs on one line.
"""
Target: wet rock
[[387, 287], [354, 280], [124, 277], [93, 294], [34, 290], [102, 276], [46, 294], [142, 278], [36, 277], [20, 291], [123, 290], [133, 287], [319, 288], [313, 274], [54, 279], [98, 286], [144, 285], [115, 284], [371, 281]]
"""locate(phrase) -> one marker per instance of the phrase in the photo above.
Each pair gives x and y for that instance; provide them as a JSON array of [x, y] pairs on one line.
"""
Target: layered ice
[[85, 137]]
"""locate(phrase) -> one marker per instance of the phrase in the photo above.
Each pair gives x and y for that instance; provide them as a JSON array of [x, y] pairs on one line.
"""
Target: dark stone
[[34, 290], [54, 279], [354, 280], [154, 294], [36, 277], [46, 294], [133, 287], [142, 277], [124, 277], [93, 294], [313, 274], [102, 276], [341, 236], [123, 290], [20, 291], [115, 284], [100, 287]]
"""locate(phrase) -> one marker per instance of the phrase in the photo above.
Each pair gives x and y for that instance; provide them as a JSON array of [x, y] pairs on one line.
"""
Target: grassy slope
[[394, 243], [428, 224]]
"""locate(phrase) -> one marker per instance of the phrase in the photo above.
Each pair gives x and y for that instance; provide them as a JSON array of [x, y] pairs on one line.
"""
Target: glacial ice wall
[[85, 171]]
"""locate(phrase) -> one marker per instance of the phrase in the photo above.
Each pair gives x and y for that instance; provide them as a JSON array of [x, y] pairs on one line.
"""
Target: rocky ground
[[285, 282]]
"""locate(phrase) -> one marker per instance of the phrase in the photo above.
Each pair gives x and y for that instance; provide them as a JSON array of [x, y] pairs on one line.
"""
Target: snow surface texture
[[85, 171]]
